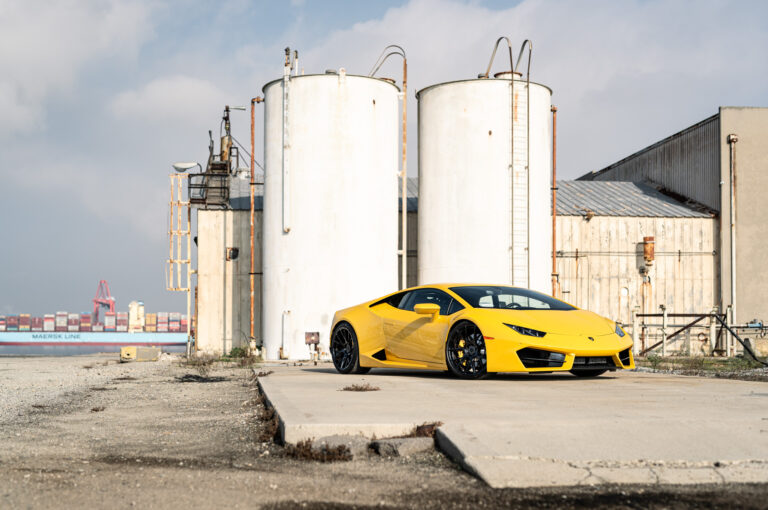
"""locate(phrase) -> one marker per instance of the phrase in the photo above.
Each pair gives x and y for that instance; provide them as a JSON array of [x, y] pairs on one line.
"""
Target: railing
[[716, 333]]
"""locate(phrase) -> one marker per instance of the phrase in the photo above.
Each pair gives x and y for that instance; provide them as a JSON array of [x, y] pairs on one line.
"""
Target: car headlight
[[526, 331], [619, 331]]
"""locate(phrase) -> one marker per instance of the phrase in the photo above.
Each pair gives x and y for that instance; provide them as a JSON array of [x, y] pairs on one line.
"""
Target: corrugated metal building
[[696, 164], [600, 231]]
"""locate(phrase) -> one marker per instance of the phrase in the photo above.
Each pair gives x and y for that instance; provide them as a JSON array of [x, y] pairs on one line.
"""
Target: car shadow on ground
[[435, 374]]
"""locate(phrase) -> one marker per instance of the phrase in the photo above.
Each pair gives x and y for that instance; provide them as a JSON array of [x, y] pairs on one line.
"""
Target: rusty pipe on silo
[[555, 278], [403, 251], [252, 272]]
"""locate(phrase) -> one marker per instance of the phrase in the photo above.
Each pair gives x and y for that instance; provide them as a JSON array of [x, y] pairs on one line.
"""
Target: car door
[[420, 337]]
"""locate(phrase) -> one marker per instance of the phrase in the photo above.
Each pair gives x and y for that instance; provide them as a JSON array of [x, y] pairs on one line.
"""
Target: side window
[[435, 296], [455, 307]]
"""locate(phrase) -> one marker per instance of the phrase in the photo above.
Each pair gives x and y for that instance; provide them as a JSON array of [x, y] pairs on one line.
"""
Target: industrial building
[[644, 234]]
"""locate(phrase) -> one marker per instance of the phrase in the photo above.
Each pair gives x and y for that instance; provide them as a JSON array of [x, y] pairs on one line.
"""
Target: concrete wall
[[223, 285], [751, 126], [413, 240], [601, 266]]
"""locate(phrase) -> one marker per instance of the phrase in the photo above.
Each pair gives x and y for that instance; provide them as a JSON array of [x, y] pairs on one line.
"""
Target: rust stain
[[514, 108]]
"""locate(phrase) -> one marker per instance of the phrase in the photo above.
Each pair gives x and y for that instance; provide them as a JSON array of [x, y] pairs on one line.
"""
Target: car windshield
[[511, 298]]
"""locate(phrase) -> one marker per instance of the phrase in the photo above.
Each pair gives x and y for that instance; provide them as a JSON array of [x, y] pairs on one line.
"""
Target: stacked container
[[97, 327], [49, 322], [36, 324], [12, 323], [162, 322], [184, 321], [85, 322], [61, 321], [110, 321], [25, 321], [2, 323], [73, 322], [174, 323], [122, 321], [150, 322]]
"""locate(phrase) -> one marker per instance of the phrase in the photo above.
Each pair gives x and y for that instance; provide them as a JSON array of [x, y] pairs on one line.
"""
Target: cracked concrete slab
[[524, 431]]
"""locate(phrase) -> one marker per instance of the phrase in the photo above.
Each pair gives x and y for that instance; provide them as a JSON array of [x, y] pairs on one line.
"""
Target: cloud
[[624, 74], [169, 99], [45, 46]]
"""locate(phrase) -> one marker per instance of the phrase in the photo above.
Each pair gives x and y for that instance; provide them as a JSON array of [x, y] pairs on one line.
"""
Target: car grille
[[593, 363], [538, 358]]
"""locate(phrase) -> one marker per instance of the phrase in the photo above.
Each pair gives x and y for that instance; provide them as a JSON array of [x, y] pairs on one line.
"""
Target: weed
[[360, 387], [264, 374], [424, 430], [655, 361], [238, 352], [97, 409], [203, 363], [691, 366], [303, 450], [270, 424]]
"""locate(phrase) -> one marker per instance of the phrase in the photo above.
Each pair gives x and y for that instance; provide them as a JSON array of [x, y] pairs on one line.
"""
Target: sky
[[99, 97]]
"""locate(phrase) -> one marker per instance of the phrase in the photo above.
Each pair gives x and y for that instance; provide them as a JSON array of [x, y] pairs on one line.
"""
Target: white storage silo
[[330, 206], [484, 215]]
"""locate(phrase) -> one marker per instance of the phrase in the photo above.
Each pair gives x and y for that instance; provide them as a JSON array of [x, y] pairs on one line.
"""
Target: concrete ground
[[525, 431], [88, 432]]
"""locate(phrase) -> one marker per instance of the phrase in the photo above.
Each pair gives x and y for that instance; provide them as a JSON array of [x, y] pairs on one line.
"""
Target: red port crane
[[103, 298]]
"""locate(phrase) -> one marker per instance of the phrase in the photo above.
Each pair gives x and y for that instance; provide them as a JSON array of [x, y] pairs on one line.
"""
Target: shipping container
[[73, 322], [36, 324], [12, 323], [110, 321], [2, 323], [151, 319], [61, 321], [97, 327], [25, 322], [85, 322], [49, 322], [150, 329], [122, 321]]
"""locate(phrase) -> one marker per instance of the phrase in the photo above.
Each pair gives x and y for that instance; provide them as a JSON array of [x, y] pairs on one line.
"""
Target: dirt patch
[[360, 387], [192, 378], [102, 388], [97, 409], [125, 378]]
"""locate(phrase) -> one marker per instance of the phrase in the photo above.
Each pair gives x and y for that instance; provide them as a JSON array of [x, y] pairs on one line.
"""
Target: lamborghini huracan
[[476, 330]]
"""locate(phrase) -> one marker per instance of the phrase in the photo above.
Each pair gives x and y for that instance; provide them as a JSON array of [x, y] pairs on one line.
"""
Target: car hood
[[560, 322]]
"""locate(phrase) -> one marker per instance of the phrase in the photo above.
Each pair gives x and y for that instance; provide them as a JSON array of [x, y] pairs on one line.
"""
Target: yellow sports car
[[476, 330]]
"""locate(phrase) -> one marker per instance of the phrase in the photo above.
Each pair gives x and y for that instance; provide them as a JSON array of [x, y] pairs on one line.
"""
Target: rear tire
[[465, 353], [588, 373], [345, 351]]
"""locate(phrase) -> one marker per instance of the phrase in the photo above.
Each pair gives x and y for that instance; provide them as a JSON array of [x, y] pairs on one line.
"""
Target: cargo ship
[[63, 333]]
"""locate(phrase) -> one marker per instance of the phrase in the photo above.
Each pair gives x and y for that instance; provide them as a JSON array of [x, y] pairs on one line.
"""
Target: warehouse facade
[[721, 163]]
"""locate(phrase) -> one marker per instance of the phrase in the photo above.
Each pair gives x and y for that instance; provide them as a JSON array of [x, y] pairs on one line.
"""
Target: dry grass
[[424, 430], [303, 450], [264, 374], [269, 424], [360, 387], [203, 363]]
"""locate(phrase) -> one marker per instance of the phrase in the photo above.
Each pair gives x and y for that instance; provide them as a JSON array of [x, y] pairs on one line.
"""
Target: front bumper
[[609, 352]]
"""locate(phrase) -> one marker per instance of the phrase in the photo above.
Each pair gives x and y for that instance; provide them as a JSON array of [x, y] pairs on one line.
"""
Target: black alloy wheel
[[465, 352], [344, 350], [588, 373]]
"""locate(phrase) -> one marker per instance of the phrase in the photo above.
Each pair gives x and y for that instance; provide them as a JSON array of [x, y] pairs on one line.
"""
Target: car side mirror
[[427, 309]]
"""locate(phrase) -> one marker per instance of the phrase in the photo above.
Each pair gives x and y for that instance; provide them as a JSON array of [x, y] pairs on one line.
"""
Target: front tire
[[345, 351], [588, 373], [465, 352]]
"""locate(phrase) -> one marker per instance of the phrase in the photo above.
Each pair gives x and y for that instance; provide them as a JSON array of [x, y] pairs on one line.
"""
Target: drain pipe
[[732, 139], [555, 277], [252, 273]]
